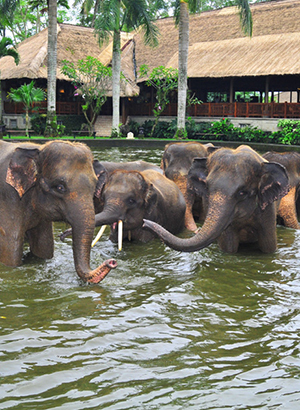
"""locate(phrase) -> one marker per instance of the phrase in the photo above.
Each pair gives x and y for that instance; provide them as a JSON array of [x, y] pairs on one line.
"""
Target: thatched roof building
[[73, 43], [221, 56], [219, 48]]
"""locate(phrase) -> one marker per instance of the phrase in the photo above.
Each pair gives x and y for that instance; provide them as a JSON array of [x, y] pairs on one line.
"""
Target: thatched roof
[[276, 54], [73, 43], [219, 48]]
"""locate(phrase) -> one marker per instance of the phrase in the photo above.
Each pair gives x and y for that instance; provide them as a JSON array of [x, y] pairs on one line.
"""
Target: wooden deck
[[236, 109]]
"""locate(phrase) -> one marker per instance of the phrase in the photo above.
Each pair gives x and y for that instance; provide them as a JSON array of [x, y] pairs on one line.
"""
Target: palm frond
[[245, 16]]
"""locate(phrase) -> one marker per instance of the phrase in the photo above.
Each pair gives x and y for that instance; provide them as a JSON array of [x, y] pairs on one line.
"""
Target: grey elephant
[[44, 183], [288, 208], [109, 166], [102, 170], [130, 196], [239, 188], [176, 162]]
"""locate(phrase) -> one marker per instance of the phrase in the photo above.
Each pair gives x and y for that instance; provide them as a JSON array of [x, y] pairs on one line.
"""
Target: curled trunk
[[218, 218], [82, 232]]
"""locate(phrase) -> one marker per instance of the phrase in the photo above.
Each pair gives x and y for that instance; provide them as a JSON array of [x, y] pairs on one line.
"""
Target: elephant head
[[176, 162], [238, 186], [57, 182], [288, 210], [126, 197]]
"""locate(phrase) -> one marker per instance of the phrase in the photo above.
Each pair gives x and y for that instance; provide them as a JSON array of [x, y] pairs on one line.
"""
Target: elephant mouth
[[103, 271], [119, 231]]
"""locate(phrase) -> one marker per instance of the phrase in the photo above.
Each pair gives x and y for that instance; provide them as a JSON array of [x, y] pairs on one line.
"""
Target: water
[[165, 330]]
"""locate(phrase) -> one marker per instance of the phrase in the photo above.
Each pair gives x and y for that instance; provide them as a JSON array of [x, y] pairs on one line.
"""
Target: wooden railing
[[62, 108], [236, 109]]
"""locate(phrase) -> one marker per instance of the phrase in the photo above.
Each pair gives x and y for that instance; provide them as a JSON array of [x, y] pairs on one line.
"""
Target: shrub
[[70, 122], [290, 132], [38, 123]]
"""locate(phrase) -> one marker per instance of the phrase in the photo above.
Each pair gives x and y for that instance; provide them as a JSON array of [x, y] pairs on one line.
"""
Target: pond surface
[[165, 330]]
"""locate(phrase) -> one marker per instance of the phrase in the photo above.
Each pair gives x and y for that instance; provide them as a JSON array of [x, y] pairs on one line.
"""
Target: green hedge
[[220, 130], [71, 123], [223, 129]]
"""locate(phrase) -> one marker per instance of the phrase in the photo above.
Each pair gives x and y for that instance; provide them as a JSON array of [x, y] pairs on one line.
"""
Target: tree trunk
[[1, 111], [182, 67], [52, 64], [116, 74], [27, 121]]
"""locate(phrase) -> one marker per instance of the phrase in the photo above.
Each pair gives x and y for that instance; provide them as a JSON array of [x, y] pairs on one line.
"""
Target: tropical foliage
[[164, 81], [91, 80], [114, 16], [7, 49], [28, 95]]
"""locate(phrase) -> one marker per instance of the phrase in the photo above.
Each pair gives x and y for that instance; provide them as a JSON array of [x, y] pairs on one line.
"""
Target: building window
[[13, 123]]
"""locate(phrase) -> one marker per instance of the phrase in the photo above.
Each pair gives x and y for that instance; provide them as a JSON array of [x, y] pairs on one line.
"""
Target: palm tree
[[28, 95], [7, 49], [52, 65], [7, 10], [52, 57], [182, 9], [114, 16]]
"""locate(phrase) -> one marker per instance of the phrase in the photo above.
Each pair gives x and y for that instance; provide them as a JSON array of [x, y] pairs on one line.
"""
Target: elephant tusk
[[120, 234], [99, 234]]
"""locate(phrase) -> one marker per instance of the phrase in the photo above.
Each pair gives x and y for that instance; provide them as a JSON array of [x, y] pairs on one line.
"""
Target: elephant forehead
[[124, 187], [237, 173], [68, 167]]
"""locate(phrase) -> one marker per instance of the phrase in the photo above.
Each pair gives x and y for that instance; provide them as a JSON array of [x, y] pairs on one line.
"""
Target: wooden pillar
[[266, 89], [124, 110], [231, 92]]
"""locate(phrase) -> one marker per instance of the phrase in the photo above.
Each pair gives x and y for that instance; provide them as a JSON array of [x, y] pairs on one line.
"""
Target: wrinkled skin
[[131, 196], [103, 170], [44, 183], [287, 206], [239, 188], [109, 167], [176, 162]]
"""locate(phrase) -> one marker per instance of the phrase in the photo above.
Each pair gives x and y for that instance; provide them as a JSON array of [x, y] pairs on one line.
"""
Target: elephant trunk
[[110, 216], [189, 197], [219, 216], [82, 232]]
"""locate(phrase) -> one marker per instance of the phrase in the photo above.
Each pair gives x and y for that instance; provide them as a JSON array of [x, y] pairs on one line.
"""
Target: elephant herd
[[238, 195]]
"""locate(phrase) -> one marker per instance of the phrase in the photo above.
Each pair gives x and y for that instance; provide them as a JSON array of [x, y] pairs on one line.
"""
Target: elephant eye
[[131, 201], [243, 194], [60, 188]]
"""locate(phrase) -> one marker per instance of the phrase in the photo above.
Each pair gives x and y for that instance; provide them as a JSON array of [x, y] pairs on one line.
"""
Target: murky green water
[[165, 330]]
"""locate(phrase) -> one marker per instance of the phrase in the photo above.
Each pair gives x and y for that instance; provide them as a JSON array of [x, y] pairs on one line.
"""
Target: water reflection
[[165, 330]]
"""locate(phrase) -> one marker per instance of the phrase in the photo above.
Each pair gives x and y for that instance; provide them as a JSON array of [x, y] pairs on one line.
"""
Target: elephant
[[109, 167], [287, 212], [130, 196], [43, 183], [239, 188], [176, 162]]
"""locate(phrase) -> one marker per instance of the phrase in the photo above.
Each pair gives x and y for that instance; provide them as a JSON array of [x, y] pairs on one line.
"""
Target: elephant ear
[[211, 148], [22, 170], [274, 184], [150, 194], [102, 176], [197, 176]]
